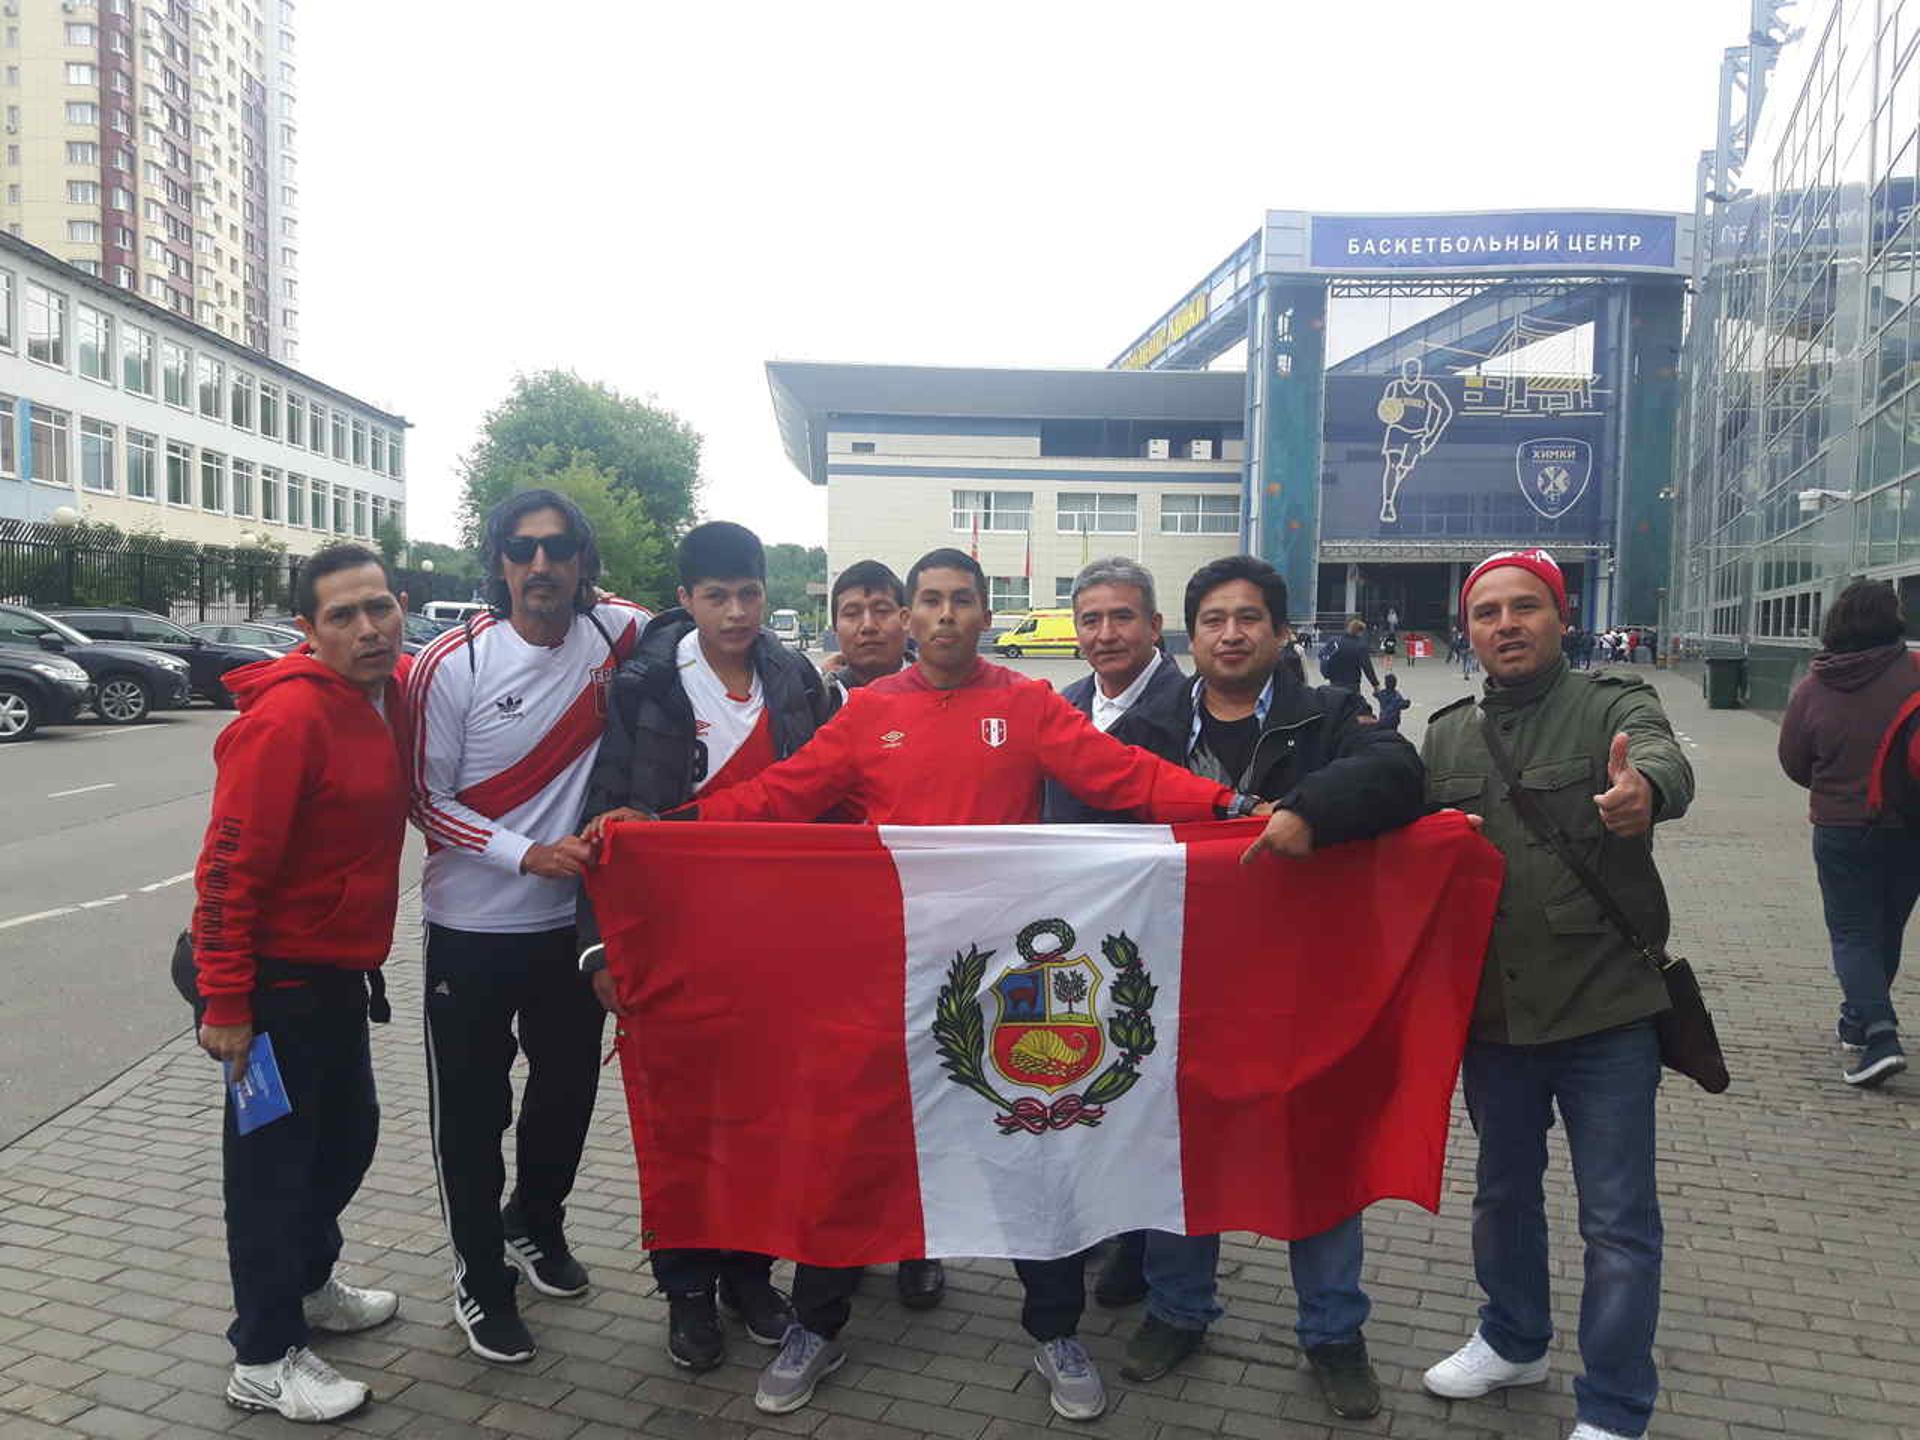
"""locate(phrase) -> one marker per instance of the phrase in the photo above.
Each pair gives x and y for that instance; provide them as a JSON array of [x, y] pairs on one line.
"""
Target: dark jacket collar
[[1167, 679], [656, 659], [1535, 687]]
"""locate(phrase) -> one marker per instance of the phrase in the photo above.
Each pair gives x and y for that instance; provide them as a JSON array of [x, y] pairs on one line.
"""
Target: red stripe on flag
[[772, 1111], [1323, 1055], [572, 736]]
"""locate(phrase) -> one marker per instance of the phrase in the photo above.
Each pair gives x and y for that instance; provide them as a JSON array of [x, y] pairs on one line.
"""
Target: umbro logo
[[891, 740], [509, 707]]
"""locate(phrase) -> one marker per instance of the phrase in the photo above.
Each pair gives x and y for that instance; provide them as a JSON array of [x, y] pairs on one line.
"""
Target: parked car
[[35, 690], [786, 627], [129, 681], [1043, 632], [412, 640], [207, 660], [281, 638], [454, 611]]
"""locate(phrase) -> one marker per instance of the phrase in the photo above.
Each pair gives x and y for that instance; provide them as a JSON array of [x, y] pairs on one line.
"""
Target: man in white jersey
[[709, 700], [507, 715]]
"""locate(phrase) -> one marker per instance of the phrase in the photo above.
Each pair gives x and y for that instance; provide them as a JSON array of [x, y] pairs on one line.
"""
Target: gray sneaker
[[805, 1359], [1073, 1385]]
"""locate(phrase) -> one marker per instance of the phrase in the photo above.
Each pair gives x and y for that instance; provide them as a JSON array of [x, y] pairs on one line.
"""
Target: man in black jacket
[[1247, 722], [1347, 660], [708, 699]]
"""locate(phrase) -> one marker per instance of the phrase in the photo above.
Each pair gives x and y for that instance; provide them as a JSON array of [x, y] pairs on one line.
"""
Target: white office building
[[133, 416]]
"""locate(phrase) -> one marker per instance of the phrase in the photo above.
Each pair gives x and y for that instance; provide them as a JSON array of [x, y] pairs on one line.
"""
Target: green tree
[[390, 539], [790, 569], [555, 422], [450, 560]]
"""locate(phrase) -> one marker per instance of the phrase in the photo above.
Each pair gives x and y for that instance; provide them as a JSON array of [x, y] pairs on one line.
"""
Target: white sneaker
[[1584, 1431], [1476, 1369], [338, 1308], [300, 1386]]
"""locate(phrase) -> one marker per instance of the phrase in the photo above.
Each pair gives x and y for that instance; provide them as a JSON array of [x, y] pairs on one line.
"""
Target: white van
[[452, 612], [785, 624]]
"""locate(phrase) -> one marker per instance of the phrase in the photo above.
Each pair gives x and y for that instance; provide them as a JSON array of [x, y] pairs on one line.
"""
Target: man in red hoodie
[[298, 881]]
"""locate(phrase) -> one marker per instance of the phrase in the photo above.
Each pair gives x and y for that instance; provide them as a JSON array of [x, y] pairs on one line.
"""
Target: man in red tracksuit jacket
[[298, 881], [958, 741]]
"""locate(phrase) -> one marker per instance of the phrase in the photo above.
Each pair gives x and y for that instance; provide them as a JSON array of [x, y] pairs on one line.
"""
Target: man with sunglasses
[[507, 715]]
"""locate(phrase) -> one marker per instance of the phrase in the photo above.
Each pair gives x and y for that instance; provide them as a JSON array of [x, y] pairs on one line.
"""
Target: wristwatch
[[1241, 805]]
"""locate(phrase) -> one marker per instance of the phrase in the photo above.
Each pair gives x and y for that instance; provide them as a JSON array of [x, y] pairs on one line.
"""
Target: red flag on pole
[[1029, 569], [975, 552]]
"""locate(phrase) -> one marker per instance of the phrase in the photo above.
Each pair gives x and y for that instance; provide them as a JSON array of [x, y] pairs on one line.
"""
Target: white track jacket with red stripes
[[504, 736]]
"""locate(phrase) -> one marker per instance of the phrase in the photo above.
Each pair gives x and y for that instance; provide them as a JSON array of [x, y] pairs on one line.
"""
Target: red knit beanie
[[1534, 562]]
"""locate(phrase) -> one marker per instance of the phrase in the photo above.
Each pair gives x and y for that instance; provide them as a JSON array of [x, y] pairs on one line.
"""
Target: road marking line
[[163, 884], [37, 915], [96, 904], [83, 790]]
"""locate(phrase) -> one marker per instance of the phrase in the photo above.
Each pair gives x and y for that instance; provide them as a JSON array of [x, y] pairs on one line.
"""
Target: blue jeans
[[1869, 880], [1604, 1086], [1326, 1282]]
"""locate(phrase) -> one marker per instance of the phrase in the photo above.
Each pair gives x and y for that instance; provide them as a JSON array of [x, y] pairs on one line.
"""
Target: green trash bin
[[1726, 681]]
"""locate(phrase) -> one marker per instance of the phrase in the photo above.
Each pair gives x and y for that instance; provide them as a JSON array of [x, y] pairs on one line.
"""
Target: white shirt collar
[[1106, 712]]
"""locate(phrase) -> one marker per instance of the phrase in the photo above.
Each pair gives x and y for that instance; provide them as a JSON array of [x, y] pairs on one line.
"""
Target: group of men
[[516, 737]]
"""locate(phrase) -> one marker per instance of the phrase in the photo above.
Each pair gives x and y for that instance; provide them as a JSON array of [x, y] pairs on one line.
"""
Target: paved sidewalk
[[1793, 1247]]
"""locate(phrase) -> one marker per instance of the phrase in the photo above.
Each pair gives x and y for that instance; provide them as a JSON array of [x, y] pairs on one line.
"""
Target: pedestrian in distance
[[506, 712], [295, 894], [1392, 703], [1332, 776], [1346, 659], [1868, 861], [956, 740], [1564, 1017]]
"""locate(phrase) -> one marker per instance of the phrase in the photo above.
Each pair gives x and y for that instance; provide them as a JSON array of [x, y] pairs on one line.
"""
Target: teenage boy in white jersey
[[709, 699], [507, 713]]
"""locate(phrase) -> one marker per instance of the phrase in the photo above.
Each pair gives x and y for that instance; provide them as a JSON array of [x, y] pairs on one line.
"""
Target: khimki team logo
[[1056, 1016], [1553, 473]]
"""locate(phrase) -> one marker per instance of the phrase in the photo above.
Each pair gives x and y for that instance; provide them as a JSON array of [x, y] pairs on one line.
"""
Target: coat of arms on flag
[[994, 732], [1047, 1032]]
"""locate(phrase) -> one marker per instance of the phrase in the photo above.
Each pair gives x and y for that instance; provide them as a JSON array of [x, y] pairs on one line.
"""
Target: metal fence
[[45, 565]]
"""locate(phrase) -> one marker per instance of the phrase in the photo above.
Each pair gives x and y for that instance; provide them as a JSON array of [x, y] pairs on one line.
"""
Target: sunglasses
[[560, 548]]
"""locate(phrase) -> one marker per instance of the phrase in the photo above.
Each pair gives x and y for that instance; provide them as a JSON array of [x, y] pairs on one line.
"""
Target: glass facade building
[[1799, 467]]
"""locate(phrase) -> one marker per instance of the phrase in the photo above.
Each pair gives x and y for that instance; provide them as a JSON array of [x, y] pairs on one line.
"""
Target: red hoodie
[[301, 859], [905, 753]]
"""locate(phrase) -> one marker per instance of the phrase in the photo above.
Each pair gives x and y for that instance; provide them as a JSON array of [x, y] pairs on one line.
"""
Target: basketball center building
[[1371, 402]]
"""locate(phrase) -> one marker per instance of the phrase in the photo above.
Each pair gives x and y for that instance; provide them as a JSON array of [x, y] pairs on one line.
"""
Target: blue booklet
[[260, 1098]]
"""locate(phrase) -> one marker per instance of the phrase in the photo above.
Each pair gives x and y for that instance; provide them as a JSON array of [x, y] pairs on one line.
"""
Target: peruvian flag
[[848, 1044]]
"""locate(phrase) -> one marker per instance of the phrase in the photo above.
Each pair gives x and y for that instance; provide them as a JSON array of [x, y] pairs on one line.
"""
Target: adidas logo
[[443, 988], [509, 707]]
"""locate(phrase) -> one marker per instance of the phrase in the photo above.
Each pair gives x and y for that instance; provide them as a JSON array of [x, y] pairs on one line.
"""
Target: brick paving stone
[[1793, 1249]]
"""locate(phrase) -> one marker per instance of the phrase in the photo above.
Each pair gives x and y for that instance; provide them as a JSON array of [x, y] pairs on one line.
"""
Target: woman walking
[[1868, 864]]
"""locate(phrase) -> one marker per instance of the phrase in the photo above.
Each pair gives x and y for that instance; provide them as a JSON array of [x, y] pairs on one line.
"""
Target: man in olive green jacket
[[1565, 1010]]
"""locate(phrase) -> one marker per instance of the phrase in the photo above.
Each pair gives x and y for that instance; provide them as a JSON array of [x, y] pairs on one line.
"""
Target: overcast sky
[[664, 197]]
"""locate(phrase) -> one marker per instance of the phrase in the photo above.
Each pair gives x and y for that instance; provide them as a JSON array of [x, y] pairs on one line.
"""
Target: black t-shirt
[[1230, 742]]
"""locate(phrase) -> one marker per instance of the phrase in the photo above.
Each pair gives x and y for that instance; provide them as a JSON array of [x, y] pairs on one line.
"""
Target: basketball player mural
[[1416, 412]]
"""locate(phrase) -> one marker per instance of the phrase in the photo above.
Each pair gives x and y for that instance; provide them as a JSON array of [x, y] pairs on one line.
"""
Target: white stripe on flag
[[1040, 1196]]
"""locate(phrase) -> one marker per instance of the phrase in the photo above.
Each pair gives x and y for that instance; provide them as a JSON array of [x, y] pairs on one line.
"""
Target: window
[[242, 487], [173, 373], [83, 232], [317, 503], [1199, 514], [78, 34], [179, 474], [241, 409], [9, 462], [296, 499], [96, 455], [340, 508], [82, 152], [83, 192], [136, 360], [269, 494], [152, 630], [1009, 593], [213, 380], [80, 73], [6, 309], [339, 435], [379, 451], [992, 509], [83, 112], [394, 467], [269, 410], [296, 419], [1083, 514], [213, 481], [360, 442], [140, 464], [47, 459], [1063, 592], [360, 513], [93, 332], [46, 326]]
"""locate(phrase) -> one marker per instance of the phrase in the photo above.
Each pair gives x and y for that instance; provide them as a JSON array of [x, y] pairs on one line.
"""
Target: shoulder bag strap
[[1542, 825]]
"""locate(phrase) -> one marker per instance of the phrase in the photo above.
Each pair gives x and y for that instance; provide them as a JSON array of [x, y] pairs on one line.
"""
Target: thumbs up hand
[[1626, 806]]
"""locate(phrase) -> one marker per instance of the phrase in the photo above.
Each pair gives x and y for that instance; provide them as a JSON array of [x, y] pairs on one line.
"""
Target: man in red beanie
[[1564, 1019]]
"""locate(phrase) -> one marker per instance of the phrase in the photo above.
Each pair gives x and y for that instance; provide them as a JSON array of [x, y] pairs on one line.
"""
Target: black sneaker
[[694, 1341], [764, 1310], [548, 1264], [1346, 1379], [1880, 1060], [494, 1330], [1156, 1347], [1122, 1280], [920, 1283]]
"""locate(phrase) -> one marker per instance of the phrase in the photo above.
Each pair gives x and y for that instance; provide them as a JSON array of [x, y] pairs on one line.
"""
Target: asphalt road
[[100, 832]]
